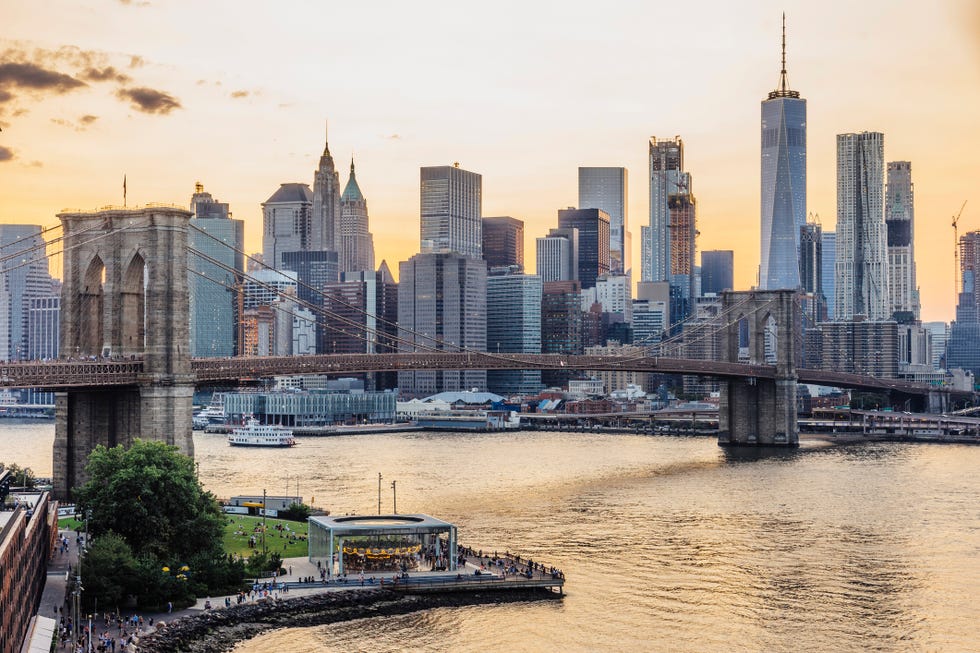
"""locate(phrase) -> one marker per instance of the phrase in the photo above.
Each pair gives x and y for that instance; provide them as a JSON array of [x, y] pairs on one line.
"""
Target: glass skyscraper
[[514, 326], [666, 178], [783, 183], [213, 286], [608, 189], [452, 208]]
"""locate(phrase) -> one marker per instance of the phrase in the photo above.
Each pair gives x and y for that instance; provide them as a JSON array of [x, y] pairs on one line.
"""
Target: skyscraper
[[557, 255], [354, 301], [666, 178], [828, 270], [442, 304], [355, 243], [717, 271], [503, 241], [593, 242], [213, 284], [452, 208], [287, 219], [608, 189], [514, 326], [862, 260], [683, 231], [811, 257], [783, 183], [561, 325], [324, 227], [25, 277], [900, 222]]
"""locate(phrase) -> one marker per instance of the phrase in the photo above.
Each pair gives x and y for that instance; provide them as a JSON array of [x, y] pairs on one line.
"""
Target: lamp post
[[379, 493], [394, 498], [264, 511]]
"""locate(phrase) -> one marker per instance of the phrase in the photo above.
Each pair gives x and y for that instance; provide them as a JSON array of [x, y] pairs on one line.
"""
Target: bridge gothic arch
[[124, 294]]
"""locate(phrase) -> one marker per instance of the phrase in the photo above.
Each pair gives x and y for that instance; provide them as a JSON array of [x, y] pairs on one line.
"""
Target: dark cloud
[[88, 119], [6, 154], [107, 74], [136, 61], [83, 123], [5, 96], [240, 94], [33, 76], [149, 100]]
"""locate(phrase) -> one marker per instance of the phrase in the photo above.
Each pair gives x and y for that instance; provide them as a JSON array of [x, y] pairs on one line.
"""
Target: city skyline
[[69, 143]]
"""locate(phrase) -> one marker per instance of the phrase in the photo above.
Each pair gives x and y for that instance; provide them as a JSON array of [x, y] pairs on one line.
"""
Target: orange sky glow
[[235, 94]]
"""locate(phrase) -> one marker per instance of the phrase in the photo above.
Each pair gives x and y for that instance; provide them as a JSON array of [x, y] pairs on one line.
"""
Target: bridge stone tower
[[124, 294], [765, 324]]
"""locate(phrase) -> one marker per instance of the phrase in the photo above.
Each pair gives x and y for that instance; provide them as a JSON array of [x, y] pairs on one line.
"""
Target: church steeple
[[783, 89]]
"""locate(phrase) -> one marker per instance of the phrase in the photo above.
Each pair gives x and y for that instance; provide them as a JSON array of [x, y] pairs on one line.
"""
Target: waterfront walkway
[[497, 572]]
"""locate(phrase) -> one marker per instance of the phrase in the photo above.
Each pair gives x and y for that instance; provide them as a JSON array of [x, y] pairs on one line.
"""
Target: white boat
[[253, 434], [215, 411]]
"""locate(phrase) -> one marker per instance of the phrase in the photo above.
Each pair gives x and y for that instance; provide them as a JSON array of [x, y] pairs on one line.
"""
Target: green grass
[[238, 544], [71, 524]]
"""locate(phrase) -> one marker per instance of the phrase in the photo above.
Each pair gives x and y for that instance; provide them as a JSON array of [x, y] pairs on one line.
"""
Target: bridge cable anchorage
[[445, 346]]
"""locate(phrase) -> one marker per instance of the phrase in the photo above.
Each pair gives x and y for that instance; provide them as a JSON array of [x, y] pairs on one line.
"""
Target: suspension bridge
[[127, 371]]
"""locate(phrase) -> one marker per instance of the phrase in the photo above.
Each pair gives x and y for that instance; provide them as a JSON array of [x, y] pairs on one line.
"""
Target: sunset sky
[[235, 94]]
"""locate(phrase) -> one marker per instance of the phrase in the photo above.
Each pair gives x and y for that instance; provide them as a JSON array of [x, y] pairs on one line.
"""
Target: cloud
[[83, 123], [34, 164], [149, 100], [5, 96], [107, 74], [6, 154], [393, 137], [33, 76], [136, 61], [240, 94]]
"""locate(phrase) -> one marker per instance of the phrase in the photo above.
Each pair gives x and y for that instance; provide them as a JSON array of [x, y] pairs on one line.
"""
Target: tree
[[296, 512], [109, 572], [150, 495], [23, 476]]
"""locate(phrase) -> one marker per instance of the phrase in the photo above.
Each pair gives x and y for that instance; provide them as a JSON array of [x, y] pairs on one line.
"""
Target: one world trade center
[[783, 183]]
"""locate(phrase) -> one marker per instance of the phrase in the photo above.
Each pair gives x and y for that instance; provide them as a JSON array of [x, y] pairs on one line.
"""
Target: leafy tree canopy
[[150, 495]]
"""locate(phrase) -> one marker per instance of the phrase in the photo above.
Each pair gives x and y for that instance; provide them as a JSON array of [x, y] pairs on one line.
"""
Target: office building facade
[[215, 278], [442, 305], [452, 211], [557, 255], [561, 325], [503, 242], [287, 219], [828, 272], [717, 271], [593, 242], [25, 277], [514, 327], [608, 189]]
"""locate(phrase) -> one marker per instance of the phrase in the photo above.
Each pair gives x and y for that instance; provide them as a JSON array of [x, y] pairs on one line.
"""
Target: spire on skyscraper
[[326, 136], [783, 90]]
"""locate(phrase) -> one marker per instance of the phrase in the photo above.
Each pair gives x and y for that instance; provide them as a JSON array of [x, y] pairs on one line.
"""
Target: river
[[667, 543]]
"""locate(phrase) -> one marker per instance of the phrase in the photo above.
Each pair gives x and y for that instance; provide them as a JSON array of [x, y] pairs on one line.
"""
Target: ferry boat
[[253, 434]]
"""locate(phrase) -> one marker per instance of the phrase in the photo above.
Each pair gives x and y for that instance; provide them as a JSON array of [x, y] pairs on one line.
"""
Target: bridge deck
[[62, 374]]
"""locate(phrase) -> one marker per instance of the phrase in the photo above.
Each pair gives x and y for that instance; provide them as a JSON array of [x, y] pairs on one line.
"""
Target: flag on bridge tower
[[124, 189]]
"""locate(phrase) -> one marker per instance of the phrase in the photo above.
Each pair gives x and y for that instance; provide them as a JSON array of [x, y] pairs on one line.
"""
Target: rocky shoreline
[[220, 630]]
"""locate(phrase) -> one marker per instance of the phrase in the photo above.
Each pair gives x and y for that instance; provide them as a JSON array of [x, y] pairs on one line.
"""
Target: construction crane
[[956, 252]]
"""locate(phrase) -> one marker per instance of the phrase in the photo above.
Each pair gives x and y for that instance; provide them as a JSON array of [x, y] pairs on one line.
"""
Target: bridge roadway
[[64, 374]]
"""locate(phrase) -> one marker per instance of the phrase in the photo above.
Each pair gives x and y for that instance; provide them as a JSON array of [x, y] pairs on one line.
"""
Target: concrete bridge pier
[[124, 295], [755, 411]]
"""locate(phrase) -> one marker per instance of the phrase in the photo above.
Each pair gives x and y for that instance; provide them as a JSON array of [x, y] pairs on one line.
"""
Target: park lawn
[[71, 524], [274, 539]]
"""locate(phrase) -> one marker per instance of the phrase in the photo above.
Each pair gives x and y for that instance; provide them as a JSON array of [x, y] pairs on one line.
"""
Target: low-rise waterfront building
[[311, 408]]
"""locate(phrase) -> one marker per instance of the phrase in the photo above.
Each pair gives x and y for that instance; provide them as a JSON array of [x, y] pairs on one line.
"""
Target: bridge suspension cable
[[31, 261]]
